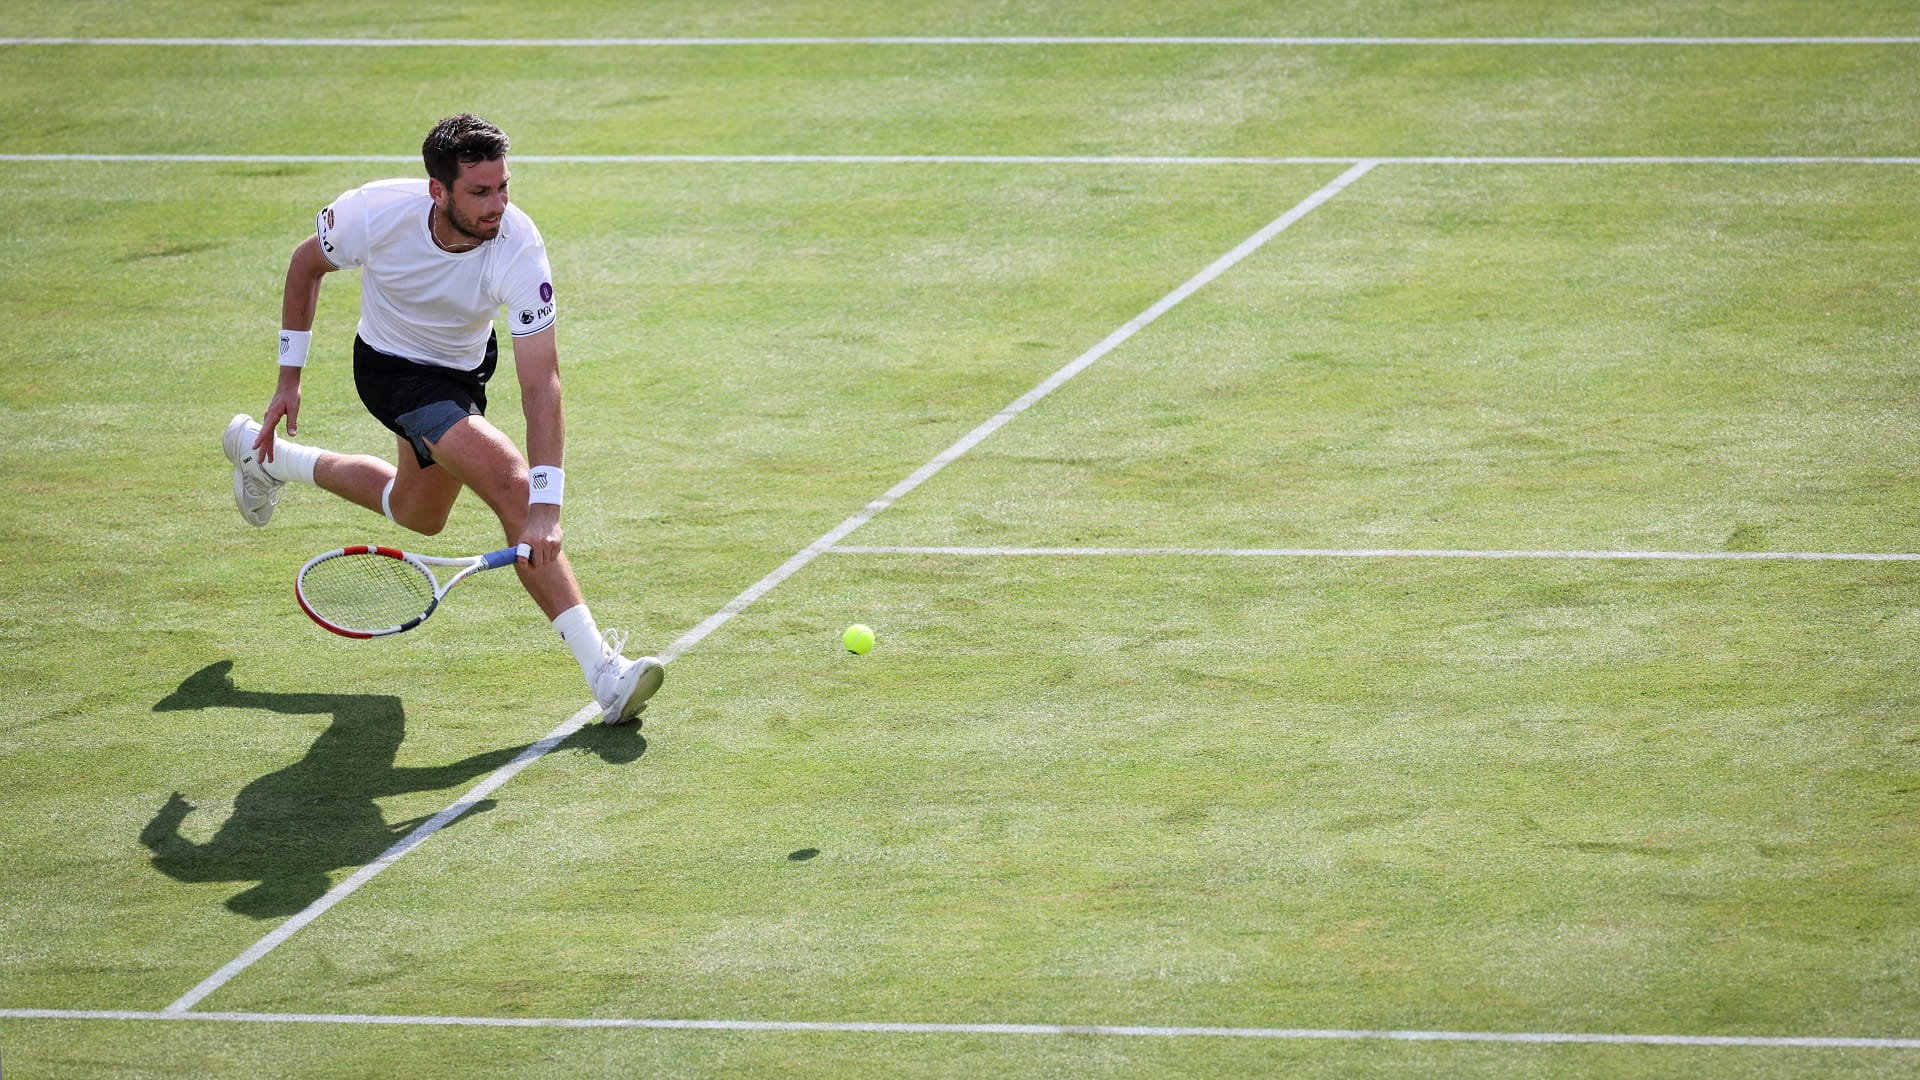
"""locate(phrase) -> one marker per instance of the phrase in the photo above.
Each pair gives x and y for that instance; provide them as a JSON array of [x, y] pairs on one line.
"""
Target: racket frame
[[469, 565]]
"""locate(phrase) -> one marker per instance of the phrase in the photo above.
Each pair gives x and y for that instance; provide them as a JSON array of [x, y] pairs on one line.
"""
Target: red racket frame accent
[[357, 635]]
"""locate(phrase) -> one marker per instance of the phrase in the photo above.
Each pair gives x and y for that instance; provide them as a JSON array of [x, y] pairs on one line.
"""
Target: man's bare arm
[[297, 305], [536, 358]]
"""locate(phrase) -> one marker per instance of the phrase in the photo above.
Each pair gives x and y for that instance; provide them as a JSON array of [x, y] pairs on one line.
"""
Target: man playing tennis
[[438, 259]]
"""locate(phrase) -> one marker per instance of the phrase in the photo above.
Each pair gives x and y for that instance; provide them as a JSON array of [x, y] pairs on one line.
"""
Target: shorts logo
[[546, 292]]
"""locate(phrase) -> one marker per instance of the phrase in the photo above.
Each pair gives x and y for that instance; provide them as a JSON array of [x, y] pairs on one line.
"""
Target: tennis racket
[[367, 592]]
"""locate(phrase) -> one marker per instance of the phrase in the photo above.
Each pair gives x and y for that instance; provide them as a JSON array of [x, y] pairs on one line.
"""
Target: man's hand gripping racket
[[366, 592]]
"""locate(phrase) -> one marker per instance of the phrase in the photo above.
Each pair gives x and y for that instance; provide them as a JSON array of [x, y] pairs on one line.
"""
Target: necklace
[[435, 233]]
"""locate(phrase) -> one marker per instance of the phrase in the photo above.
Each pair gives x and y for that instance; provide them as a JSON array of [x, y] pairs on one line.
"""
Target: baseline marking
[[965, 159], [754, 592], [709, 42], [886, 1028], [1382, 553]]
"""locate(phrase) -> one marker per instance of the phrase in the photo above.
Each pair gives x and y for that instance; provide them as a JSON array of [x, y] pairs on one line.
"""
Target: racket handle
[[506, 556]]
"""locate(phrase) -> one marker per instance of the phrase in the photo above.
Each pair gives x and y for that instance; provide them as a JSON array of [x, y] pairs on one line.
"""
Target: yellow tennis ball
[[858, 639]]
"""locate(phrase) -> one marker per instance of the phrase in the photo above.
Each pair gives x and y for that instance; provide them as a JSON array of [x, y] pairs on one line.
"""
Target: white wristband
[[546, 484], [293, 347]]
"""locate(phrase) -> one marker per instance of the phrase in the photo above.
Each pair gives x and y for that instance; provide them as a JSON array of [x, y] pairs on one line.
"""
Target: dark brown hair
[[458, 140]]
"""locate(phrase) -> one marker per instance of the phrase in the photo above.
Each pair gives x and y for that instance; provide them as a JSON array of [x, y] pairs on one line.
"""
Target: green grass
[[1229, 793], [1142, 99], [1546, 796], [1656, 358]]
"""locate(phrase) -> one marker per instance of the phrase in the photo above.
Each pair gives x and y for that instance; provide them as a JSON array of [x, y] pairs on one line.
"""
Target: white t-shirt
[[422, 303]]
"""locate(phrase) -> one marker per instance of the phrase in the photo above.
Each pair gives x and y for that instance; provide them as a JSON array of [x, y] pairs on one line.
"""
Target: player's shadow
[[290, 828]]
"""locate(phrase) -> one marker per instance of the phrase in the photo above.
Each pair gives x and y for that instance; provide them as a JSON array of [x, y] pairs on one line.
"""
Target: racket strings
[[367, 591]]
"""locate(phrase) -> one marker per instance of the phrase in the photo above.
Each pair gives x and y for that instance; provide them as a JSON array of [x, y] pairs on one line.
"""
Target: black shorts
[[419, 402]]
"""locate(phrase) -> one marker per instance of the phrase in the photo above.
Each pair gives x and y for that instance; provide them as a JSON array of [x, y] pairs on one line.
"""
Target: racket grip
[[506, 556]]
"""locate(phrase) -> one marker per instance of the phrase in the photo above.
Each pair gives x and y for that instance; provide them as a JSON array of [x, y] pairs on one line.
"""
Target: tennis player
[[438, 259]]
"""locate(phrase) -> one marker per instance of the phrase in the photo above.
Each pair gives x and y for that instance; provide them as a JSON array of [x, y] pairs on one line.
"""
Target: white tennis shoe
[[622, 686], [254, 492]]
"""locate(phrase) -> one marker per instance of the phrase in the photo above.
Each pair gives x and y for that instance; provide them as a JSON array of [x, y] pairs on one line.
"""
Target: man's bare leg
[[482, 458], [413, 497]]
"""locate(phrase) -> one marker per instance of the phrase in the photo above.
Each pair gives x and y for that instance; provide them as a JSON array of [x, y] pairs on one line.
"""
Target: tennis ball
[[858, 639]]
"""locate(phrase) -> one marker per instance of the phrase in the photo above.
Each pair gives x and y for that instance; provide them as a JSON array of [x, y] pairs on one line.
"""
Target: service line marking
[[760, 588], [889, 1028], [1022, 404], [752, 42], [1381, 553]]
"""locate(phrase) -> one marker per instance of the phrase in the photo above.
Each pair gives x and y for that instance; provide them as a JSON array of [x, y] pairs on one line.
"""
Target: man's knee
[[428, 528], [424, 511], [512, 508], [424, 523]]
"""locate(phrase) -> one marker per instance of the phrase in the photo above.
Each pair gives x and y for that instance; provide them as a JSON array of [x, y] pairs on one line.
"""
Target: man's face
[[475, 202]]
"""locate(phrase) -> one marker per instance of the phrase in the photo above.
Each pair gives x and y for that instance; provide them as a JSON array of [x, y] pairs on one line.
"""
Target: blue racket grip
[[506, 556]]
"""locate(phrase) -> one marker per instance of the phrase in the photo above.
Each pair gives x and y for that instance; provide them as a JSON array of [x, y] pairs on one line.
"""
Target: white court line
[[754, 592], [387, 858], [729, 42], [970, 159], [1383, 553], [1022, 404], [889, 1028], [1126, 159]]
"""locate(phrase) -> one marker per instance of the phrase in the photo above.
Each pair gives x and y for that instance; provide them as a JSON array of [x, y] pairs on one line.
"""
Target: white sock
[[577, 629], [292, 461]]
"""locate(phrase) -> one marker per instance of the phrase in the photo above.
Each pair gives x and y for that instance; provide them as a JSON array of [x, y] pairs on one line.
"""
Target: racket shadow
[[288, 830]]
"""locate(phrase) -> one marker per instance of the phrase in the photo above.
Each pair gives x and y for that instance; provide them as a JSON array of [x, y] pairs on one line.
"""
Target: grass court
[[1286, 690]]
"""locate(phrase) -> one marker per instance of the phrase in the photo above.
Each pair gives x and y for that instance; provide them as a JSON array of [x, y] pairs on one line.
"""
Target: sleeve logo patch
[[546, 292]]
